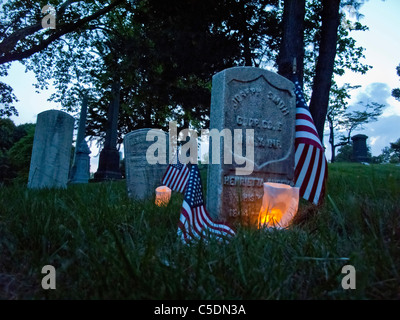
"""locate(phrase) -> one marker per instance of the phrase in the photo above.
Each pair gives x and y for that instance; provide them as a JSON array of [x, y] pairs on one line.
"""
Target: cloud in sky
[[375, 92], [385, 130], [382, 132]]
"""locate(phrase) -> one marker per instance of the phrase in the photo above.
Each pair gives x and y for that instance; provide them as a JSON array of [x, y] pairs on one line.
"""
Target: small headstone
[[51, 153], [143, 176], [251, 98], [81, 167], [360, 150]]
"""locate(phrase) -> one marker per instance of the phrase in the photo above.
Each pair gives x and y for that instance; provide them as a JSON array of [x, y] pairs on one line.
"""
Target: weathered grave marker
[[250, 98], [51, 153], [144, 169], [109, 156], [80, 171], [360, 150]]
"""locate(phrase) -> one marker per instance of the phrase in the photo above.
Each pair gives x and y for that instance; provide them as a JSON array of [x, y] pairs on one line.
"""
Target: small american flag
[[176, 175], [311, 169], [195, 222]]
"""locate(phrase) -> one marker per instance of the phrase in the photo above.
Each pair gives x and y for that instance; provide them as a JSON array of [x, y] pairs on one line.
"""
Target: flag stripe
[[170, 171], [311, 174], [219, 228], [310, 162], [306, 141], [304, 174], [299, 172], [168, 174], [314, 194], [176, 175], [321, 182], [297, 156], [304, 129], [195, 222], [303, 116], [183, 225], [181, 183]]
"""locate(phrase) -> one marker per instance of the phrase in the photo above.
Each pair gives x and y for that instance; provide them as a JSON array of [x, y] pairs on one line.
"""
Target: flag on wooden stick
[[195, 222], [311, 169]]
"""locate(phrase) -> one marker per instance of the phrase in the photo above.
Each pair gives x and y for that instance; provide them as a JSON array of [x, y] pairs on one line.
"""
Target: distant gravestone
[[250, 98], [360, 150], [81, 167], [108, 168], [80, 171], [143, 176], [51, 153]]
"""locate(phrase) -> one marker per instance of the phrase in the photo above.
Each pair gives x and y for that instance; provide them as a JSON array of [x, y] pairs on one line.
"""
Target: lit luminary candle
[[163, 195], [279, 206]]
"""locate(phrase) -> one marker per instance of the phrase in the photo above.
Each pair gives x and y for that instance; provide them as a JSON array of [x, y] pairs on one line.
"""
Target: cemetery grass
[[105, 246]]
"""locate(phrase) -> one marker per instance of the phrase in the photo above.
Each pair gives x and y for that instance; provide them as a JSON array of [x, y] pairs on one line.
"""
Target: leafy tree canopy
[[15, 149], [396, 92], [22, 34], [164, 54]]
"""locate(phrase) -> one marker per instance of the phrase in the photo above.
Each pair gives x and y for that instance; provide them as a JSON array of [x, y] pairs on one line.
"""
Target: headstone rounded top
[[54, 111], [141, 131], [359, 136], [249, 73]]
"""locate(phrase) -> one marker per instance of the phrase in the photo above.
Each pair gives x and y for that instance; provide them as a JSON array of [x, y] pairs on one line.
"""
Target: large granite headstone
[[250, 98], [51, 153], [144, 168], [360, 150]]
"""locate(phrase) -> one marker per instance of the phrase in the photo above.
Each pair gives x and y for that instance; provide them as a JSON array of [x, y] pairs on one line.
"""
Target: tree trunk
[[324, 69], [246, 50], [292, 45]]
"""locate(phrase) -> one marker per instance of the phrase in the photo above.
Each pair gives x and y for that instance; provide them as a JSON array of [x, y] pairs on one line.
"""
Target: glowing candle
[[279, 206], [163, 195]]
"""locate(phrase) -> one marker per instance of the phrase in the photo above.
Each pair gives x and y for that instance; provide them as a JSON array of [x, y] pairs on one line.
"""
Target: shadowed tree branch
[[9, 53]]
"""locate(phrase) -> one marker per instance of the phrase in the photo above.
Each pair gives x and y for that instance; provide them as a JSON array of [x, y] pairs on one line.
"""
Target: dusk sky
[[382, 44]]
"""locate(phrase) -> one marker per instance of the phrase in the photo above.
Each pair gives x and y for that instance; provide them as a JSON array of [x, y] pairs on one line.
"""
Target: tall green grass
[[106, 246]]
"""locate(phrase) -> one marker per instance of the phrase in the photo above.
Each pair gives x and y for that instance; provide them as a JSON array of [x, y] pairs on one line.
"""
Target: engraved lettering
[[278, 102], [243, 181], [238, 98], [260, 142], [259, 123]]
